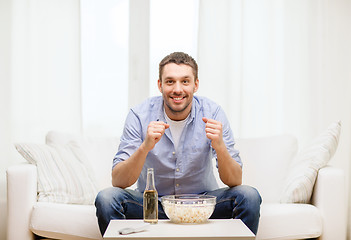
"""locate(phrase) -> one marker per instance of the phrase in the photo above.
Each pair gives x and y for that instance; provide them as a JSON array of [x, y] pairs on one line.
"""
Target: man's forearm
[[126, 173], [229, 170]]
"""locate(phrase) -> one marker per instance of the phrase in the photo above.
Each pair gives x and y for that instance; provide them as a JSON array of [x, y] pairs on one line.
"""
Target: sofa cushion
[[304, 168], [99, 151], [64, 221], [289, 221], [62, 177], [278, 221], [265, 163]]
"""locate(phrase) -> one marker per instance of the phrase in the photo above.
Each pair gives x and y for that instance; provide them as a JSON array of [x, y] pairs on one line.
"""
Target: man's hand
[[214, 131], [155, 131]]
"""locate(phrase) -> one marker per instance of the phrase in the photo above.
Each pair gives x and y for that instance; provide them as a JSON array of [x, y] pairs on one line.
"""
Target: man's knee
[[108, 196], [248, 194], [251, 193]]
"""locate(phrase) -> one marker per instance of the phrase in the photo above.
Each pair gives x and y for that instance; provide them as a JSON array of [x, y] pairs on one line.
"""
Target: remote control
[[138, 228]]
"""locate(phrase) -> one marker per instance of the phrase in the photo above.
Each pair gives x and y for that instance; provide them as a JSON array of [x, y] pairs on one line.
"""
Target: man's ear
[[159, 84], [196, 85]]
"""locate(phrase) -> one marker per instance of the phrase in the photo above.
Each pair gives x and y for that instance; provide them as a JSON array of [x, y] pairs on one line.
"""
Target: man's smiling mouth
[[177, 98]]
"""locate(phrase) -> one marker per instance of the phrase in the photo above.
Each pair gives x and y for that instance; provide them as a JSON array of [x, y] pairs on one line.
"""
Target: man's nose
[[177, 87]]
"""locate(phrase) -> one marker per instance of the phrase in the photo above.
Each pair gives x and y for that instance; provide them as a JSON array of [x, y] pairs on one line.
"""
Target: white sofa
[[266, 165]]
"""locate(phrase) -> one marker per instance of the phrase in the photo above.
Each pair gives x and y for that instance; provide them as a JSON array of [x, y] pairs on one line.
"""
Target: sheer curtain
[[40, 77], [44, 89], [279, 67]]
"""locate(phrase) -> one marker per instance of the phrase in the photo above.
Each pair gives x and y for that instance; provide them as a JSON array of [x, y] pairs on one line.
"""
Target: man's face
[[177, 85]]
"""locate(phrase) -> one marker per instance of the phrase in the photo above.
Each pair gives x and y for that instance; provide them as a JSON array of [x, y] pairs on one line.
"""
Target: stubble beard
[[175, 111]]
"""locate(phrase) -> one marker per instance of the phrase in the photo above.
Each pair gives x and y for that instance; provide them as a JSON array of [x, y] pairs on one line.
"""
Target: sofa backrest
[[265, 160], [266, 163]]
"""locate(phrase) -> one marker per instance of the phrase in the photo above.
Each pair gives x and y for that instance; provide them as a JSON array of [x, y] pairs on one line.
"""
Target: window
[[105, 60], [173, 27], [104, 54]]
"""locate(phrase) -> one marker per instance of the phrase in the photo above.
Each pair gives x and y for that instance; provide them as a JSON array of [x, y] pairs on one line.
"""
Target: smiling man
[[177, 134], [177, 83]]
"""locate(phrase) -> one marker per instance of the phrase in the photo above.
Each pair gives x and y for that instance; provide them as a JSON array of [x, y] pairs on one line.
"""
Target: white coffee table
[[223, 229]]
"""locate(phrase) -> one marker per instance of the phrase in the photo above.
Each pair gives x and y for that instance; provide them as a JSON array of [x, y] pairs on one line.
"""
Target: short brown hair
[[178, 58]]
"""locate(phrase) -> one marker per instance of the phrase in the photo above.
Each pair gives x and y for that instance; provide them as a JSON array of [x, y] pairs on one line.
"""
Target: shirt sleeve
[[131, 138], [228, 136]]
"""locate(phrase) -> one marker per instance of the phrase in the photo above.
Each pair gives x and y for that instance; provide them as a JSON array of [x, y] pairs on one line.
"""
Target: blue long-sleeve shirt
[[187, 169]]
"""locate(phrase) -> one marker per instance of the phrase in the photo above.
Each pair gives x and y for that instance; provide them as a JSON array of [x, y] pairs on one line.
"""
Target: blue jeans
[[241, 202]]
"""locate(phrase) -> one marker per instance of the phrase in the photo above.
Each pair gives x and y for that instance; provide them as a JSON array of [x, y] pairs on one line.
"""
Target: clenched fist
[[214, 131], [155, 131]]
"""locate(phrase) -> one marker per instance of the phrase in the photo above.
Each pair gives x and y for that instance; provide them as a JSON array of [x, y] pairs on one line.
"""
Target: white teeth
[[177, 99]]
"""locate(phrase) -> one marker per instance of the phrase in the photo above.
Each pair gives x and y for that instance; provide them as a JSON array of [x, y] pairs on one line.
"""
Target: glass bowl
[[188, 208]]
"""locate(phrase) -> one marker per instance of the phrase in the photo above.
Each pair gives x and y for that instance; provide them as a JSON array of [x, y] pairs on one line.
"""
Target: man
[[177, 134]]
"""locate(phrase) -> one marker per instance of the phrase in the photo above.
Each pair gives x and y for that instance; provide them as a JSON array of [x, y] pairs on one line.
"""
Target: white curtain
[[279, 67], [40, 76], [45, 68]]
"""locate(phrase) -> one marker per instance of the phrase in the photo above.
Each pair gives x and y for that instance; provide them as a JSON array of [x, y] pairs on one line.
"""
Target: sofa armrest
[[330, 197], [21, 196]]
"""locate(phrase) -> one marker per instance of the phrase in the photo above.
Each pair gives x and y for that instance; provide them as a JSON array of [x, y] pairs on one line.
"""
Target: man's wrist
[[220, 147], [143, 148]]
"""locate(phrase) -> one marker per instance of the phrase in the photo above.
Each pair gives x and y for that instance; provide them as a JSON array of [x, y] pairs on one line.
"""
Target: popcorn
[[187, 211]]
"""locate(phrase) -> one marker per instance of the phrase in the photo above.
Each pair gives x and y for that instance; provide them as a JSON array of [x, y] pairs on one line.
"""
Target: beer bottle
[[150, 199]]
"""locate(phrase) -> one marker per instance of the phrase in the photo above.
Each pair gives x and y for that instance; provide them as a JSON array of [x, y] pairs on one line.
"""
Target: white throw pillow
[[62, 176], [302, 176], [98, 150]]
